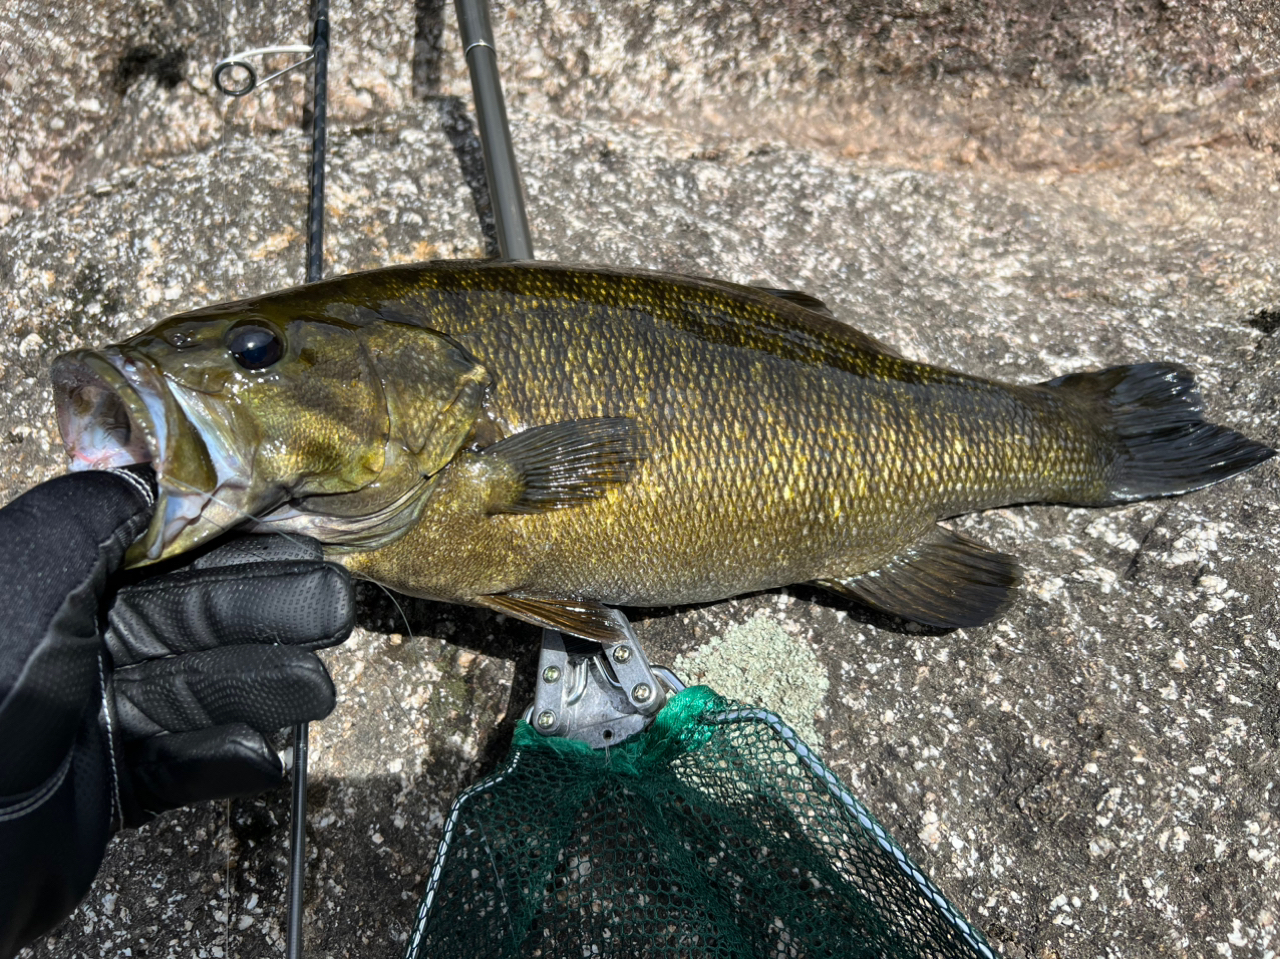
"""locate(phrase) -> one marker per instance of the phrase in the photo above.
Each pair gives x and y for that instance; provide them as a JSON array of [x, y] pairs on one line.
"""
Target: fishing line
[[229, 106], [404, 713], [409, 632], [391, 596]]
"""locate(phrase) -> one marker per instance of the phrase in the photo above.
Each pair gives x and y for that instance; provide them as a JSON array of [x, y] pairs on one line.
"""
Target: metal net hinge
[[596, 694]]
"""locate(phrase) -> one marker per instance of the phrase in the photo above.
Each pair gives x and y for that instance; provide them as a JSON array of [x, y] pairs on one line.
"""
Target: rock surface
[[987, 187]]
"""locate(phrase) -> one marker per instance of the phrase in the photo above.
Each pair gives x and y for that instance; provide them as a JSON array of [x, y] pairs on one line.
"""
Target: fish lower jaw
[[182, 521]]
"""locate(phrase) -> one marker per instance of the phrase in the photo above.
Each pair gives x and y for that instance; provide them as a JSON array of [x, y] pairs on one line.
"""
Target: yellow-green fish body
[[547, 440]]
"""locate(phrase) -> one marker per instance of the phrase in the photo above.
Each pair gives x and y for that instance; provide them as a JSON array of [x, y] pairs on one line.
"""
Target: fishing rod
[[225, 75], [501, 172], [236, 76], [315, 269]]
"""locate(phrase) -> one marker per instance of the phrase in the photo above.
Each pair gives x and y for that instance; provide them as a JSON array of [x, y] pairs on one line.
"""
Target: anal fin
[[946, 580], [584, 618]]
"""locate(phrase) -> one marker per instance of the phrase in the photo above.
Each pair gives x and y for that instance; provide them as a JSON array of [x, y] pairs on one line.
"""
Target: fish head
[[247, 410]]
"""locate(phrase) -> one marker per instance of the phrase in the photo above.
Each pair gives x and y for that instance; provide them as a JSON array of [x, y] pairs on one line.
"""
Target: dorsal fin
[[815, 305], [800, 299]]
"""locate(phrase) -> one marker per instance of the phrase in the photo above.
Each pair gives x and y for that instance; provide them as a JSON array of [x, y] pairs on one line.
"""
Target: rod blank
[[505, 193], [315, 270]]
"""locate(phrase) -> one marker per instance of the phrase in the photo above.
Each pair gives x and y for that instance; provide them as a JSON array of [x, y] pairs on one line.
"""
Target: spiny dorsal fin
[[584, 618], [946, 580], [800, 299], [566, 464], [815, 305]]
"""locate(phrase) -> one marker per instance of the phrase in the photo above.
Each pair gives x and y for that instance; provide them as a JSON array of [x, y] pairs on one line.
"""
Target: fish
[[549, 441]]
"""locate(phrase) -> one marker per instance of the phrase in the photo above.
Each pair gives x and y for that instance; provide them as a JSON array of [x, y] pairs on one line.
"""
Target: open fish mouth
[[104, 421], [117, 410]]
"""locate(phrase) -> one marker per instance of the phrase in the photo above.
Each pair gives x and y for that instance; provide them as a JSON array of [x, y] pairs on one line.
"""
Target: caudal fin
[[1151, 413]]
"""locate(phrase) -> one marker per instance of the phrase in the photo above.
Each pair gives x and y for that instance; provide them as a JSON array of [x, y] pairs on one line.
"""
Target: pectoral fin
[[578, 617], [564, 464], [946, 580]]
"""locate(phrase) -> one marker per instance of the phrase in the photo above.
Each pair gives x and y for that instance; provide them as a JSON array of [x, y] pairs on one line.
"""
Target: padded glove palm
[[209, 658]]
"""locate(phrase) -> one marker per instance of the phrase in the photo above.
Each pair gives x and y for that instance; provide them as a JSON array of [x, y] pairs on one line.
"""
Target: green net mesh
[[715, 833]]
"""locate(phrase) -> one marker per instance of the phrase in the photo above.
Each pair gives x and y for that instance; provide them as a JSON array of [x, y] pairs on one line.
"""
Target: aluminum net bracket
[[596, 694]]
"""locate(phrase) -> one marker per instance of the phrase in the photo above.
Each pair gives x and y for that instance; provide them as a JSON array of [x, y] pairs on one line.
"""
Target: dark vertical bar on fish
[[505, 193], [315, 270]]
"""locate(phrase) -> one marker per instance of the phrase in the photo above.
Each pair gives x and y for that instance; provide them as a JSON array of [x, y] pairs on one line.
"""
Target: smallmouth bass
[[547, 440]]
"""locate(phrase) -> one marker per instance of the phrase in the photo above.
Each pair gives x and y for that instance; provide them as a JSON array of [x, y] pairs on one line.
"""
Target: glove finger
[[290, 602], [179, 769], [260, 548], [266, 687]]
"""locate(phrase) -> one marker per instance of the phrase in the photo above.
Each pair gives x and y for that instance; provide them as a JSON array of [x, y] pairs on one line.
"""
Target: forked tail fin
[[1151, 413]]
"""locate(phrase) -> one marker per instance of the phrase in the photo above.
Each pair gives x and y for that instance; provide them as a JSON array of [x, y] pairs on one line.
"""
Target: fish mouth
[[103, 421], [117, 410]]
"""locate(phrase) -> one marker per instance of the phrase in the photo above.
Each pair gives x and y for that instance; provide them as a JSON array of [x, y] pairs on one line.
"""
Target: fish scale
[[556, 439]]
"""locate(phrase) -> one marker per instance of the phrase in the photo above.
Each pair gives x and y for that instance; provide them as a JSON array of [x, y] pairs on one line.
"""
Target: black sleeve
[[52, 841], [58, 544]]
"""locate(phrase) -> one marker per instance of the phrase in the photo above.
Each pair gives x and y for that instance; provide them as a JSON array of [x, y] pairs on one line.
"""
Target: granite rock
[[983, 186]]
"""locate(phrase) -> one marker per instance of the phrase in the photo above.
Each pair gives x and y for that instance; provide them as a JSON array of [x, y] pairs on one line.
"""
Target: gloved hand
[[208, 658], [122, 699]]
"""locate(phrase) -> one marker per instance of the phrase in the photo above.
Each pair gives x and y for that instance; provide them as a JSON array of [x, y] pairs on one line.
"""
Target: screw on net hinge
[[599, 695]]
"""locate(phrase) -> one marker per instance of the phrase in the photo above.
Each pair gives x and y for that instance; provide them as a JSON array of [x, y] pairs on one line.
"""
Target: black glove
[[117, 704]]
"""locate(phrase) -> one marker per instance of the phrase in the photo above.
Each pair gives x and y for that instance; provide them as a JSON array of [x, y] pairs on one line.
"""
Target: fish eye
[[255, 348]]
